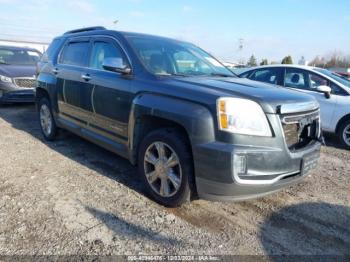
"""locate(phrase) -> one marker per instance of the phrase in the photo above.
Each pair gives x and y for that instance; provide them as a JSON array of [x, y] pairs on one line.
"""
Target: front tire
[[46, 120], [166, 167], [344, 133]]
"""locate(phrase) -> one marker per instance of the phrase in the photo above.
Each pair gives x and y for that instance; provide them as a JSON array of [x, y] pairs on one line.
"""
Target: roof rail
[[86, 29]]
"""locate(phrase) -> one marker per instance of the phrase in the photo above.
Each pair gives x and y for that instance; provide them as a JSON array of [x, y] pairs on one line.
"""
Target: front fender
[[195, 118]]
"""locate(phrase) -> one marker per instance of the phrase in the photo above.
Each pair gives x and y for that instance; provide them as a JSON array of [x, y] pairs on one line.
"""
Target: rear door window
[[75, 53]]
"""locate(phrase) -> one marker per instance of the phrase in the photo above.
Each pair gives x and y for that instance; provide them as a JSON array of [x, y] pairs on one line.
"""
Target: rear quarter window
[[52, 50]]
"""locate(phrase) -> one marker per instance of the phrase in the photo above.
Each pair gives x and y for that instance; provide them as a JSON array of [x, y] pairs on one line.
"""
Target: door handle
[[86, 77], [55, 71]]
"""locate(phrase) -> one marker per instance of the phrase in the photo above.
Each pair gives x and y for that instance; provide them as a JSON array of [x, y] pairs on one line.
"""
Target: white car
[[331, 90]]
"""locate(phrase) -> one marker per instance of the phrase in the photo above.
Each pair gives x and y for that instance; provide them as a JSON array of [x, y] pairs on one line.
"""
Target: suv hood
[[17, 70], [273, 99]]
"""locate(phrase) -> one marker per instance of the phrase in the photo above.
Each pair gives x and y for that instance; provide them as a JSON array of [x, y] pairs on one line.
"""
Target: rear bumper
[[267, 170]]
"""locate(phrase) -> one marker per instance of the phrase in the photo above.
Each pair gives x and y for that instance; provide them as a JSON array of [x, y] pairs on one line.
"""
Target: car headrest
[[295, 79]]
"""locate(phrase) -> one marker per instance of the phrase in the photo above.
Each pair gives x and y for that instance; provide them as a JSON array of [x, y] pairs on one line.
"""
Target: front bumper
[[9, 93], [267, 170]]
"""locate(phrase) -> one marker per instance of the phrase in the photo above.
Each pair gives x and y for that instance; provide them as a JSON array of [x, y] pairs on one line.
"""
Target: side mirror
[[325, 89], [115, 64]]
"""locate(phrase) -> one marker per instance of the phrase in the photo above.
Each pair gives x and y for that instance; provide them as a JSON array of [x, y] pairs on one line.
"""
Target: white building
[[233, 65], [40, 46]]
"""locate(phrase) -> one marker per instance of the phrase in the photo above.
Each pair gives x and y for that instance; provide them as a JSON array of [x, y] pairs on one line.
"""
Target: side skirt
[[111, 145]]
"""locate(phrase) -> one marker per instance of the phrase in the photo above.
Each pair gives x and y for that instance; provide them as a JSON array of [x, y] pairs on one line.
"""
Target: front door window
[[102, 50], [296, 78]]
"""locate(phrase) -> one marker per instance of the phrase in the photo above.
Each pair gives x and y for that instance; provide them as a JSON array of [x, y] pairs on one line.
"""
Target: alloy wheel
[[162, 169], [346, 134], [46, 120]]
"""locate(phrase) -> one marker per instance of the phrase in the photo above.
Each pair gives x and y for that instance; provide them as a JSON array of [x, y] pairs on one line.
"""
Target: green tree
[[287, 60], [264, 62], [252, 61]]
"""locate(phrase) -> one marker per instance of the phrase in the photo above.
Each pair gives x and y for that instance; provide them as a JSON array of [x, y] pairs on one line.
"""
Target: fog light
[[240, 164]]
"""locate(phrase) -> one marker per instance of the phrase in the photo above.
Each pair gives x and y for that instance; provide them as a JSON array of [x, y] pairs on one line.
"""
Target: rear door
[[111, 95], [74, 81], [308, 82]]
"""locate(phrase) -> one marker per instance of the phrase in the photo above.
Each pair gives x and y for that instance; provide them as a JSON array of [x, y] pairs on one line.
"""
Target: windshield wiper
[[177, 74], [221, 75], [167, 74]]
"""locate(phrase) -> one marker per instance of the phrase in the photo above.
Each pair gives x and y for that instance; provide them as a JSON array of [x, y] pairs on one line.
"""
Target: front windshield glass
[[170, 57], [18, 57], [334, 76]]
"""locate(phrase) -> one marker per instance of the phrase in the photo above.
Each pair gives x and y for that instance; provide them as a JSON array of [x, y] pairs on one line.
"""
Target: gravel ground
[[71, 197]]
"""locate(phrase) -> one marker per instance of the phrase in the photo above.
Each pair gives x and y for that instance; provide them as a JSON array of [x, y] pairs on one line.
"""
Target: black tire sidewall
[[52, 135], [178, 144], [341, 131]]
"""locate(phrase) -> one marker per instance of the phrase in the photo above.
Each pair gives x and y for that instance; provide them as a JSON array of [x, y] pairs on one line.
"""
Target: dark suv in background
[[190, 125], [17, 74]]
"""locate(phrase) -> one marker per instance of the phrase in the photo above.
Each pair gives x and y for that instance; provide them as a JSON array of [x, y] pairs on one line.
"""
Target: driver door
[[111, 97]]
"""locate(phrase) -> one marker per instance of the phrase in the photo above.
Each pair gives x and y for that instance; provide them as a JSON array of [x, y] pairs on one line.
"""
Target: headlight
[[5, 79], [242, 116]]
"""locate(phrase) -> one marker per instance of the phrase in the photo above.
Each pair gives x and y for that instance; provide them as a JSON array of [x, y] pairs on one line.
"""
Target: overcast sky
[[270, 28]]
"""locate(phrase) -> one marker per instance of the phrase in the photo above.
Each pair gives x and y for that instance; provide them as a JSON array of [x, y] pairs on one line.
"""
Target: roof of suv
[[102, 30]]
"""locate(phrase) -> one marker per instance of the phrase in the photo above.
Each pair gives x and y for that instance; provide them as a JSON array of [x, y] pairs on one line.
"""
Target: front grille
[[301, 129], [25, 82]]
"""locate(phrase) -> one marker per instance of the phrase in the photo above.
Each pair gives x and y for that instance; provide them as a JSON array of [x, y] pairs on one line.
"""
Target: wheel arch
[[150, 112], [341, 121], [40, 93]]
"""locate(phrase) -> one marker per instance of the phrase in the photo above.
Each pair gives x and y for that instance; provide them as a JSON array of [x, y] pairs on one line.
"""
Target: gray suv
[[190, 125]]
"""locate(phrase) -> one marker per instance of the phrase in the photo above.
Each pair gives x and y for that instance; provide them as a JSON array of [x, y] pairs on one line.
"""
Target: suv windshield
[[334, 76], [170, 57], [18, 56]]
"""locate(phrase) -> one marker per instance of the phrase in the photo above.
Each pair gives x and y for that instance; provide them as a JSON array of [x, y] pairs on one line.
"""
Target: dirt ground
[[70, 197]]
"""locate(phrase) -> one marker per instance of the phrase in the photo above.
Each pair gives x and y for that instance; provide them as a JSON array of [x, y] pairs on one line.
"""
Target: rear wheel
[[344, 133], [47, 122], [165, 164]]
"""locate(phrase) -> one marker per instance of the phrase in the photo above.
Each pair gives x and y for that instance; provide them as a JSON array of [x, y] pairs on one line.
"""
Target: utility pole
[[240, 49]]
